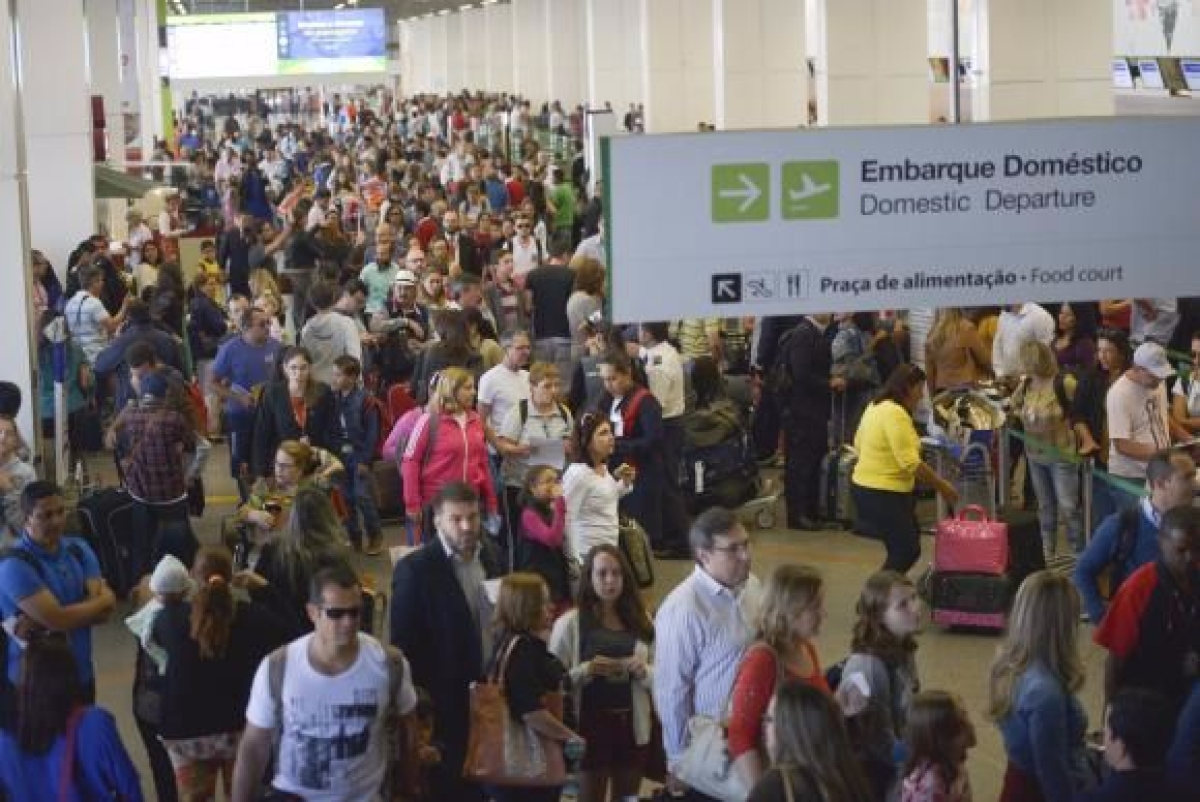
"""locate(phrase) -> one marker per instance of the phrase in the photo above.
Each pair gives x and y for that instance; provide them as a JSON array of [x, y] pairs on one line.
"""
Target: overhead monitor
[[1151, 75], [277, 43], [1122, 76], [1191, 73]]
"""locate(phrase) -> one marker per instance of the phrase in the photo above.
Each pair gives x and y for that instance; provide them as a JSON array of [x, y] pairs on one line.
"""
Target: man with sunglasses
[[329, 700], [243, 365]]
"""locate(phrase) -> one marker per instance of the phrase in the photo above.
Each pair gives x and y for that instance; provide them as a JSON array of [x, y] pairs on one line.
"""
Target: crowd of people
[[392, 321]]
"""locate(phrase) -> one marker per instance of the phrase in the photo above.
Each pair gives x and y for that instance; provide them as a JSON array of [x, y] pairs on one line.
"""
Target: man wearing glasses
[[330, 699], [526, 249], [703, 627], [242, 366]]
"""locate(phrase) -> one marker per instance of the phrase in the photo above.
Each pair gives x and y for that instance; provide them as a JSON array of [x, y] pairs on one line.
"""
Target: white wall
[[1139, 28]]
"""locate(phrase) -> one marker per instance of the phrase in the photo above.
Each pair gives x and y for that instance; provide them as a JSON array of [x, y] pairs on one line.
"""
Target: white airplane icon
[[810, 189]]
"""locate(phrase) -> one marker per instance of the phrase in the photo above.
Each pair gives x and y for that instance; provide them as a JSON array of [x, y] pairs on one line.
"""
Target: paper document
[[547, 451]]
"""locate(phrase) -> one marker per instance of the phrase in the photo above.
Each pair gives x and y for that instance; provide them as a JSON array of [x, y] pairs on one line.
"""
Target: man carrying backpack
[[1128, 539]]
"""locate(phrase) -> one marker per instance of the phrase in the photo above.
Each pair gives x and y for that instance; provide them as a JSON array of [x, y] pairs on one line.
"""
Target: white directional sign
[[881, 218]]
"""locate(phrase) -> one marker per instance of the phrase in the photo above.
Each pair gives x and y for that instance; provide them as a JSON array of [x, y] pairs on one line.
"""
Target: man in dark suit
[[804, 405], [440, 619], [463, 248], [233, 254]]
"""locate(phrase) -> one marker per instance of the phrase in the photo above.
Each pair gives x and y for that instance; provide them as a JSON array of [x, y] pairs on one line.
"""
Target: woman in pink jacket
[[447, 445]]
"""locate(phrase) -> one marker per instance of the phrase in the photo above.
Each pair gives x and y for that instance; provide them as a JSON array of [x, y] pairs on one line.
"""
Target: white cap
[[406, 277], [1153, 359], [170, 576]]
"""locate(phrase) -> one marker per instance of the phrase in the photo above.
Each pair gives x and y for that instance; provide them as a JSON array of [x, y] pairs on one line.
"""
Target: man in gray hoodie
[[328, 335]]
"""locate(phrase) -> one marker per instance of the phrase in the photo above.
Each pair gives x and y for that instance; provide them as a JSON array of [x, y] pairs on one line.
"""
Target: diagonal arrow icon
[[749, 193]]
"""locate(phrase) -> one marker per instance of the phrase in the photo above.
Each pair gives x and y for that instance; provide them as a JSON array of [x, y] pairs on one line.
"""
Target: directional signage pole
[[758, 223]]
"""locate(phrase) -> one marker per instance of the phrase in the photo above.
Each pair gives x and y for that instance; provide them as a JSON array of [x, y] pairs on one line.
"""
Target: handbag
[[971, 545], [705, 764], [502, 751]]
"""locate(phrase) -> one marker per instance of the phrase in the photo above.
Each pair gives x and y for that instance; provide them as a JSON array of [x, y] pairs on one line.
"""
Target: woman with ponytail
[[214, 644]]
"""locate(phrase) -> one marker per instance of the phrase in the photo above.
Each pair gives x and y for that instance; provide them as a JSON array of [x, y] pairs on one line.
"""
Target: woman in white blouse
[[591, 490]]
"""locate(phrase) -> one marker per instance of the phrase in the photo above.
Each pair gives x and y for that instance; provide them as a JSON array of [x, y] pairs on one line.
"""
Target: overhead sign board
[[826, 220]]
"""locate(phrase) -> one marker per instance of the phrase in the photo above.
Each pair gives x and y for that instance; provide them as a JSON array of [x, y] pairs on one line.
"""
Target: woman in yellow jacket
[[889, 464]]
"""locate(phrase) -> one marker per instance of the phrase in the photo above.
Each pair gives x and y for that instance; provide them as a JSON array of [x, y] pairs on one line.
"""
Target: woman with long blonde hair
[[1032, 695], [955, 355]]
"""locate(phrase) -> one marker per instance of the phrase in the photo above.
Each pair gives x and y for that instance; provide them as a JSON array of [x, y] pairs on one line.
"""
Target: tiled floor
[[954, 661]]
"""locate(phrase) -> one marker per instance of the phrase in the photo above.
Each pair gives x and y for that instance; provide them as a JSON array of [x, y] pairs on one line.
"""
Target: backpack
[[433, 422], [779, 376], [523, 411], [373, 406]]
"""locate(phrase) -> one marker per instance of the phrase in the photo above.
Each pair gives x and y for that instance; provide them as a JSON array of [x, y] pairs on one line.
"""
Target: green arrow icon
[[741, 193], [810, 190]]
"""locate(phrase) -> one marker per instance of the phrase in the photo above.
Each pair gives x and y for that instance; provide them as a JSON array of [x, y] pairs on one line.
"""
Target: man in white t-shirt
[[88, 321], [526, 250], [1139, 421], [329, 698], [504, 386]]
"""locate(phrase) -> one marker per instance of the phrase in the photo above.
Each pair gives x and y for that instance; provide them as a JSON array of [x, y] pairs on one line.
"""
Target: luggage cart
[[969, 468]]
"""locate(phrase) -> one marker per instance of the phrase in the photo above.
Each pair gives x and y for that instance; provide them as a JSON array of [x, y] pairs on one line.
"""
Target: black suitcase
[[1025, 554], [107, 520], [978, 601]]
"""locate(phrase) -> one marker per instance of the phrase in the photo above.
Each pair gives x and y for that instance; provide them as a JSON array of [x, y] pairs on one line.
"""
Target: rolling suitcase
[[389, 494], [107, 520], [979, 601], [837, 467], [1025, 555], [837, 503]]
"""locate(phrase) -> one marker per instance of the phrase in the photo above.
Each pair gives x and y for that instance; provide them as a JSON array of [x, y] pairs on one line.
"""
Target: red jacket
[[459, 454]]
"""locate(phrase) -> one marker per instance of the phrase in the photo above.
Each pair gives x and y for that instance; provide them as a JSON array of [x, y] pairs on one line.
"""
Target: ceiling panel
[[398, 9]]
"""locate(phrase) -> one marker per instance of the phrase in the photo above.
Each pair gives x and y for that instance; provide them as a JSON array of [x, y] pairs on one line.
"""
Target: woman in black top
[[452, 350], [528, 671], [214, 645], [296, 408]]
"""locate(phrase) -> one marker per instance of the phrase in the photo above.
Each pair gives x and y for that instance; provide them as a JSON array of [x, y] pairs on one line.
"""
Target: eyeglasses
[[338, 613], [741, 547], [284, 465]]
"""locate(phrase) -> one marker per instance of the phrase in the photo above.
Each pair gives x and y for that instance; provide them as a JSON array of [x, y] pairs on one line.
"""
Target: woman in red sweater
[[447, 445], [793, 609]]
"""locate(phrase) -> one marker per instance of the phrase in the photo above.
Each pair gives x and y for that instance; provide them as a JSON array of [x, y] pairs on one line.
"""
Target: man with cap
[[156, 476], [1139, 419], [402, 326]]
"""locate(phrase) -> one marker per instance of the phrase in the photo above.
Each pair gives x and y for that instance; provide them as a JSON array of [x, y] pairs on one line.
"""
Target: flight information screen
[[283, 43]]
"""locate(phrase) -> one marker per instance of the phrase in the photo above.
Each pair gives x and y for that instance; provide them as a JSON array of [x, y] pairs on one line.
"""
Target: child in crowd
[[169, 584], [360, 422], [543, 524], [883, 658], [1137, 736], [939, 736]]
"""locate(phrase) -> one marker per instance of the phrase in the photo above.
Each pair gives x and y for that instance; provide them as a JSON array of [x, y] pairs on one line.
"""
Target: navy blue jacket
[[359, 430]]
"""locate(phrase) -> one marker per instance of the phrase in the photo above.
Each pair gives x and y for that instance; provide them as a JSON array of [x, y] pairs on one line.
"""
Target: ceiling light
[[339, 6], [445, 12], [465, 7]]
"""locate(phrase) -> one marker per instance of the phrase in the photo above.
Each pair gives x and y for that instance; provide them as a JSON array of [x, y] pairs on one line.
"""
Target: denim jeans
[[160, 529], [1056, 485], [359, 492]]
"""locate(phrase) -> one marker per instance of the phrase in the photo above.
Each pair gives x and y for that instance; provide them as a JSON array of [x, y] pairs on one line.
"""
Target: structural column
[[529, 51], [58, 128], [439, 51], [566, 55], [1044, 58], [498, 61], [104, 65], [677, 71], [871, 59], [474, 32], [612, 43], [760, 74], [18, 357], [456, 72]]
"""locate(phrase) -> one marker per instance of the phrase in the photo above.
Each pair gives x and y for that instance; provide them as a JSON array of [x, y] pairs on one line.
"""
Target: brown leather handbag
[[502, 751]]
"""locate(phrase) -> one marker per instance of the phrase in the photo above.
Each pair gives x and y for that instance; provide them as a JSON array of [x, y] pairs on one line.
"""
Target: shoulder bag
[[504, 752], [705, 764]]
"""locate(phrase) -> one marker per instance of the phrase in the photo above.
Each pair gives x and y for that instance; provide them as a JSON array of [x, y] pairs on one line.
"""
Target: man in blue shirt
[[51, 583], [1127, 540], [243, 365]]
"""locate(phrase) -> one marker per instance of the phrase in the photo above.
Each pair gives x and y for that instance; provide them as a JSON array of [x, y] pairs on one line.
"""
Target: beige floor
[[949, 660]]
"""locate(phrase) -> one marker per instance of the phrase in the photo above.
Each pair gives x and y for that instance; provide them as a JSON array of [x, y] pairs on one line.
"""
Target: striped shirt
[[702, 630]]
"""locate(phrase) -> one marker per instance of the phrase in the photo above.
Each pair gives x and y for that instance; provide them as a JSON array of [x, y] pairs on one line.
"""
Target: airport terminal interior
[[165, 150]]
